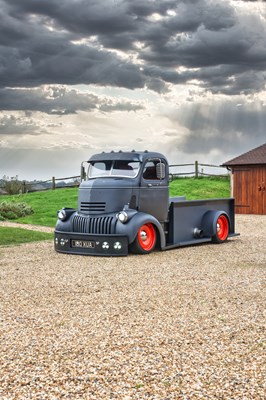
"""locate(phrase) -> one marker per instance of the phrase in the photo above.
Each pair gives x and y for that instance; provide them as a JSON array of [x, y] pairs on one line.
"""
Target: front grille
[[94, 225], [97, 207]]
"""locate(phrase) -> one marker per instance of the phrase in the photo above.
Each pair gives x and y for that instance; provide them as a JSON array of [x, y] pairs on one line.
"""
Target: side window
[[149, 172]]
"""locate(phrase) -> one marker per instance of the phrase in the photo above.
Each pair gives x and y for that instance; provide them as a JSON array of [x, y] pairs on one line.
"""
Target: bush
[[12, 210], [12, 185]]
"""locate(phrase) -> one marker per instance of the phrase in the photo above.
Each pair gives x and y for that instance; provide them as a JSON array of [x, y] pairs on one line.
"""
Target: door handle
[[259, 188]]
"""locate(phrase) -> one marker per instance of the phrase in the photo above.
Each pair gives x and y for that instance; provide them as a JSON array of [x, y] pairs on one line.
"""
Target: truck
[[124, 206]]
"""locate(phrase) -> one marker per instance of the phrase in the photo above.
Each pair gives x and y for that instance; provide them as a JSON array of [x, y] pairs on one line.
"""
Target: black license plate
[[89, 244]]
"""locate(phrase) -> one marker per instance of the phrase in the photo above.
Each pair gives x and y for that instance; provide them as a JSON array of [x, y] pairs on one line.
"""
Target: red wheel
[[145, 240], [222, 229]]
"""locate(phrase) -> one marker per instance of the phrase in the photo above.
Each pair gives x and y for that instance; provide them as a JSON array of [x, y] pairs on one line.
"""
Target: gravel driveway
[[183, 324]]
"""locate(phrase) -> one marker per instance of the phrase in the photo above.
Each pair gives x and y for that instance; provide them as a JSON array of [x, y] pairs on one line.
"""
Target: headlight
[[65, 213], [62, 214], [122, 216]]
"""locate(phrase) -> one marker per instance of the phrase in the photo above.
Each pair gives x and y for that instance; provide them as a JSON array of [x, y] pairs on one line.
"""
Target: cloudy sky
[[82, 76]]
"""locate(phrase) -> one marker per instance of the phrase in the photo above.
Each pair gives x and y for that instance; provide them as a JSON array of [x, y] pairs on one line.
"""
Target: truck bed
[[186, 216]]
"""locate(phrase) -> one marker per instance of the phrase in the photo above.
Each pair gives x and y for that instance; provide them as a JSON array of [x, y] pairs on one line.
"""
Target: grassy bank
[[201, 188], [15, 236], [46, 204]]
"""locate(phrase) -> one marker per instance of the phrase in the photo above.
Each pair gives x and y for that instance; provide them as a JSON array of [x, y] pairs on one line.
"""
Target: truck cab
[[135, 180], [124, 205]]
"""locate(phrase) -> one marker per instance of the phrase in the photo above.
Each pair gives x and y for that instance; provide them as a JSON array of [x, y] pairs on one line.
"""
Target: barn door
[[250, 190], [242, 182]]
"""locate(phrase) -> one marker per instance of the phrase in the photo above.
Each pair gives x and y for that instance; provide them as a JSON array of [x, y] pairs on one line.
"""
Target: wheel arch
[[130, 229], [209, 221]]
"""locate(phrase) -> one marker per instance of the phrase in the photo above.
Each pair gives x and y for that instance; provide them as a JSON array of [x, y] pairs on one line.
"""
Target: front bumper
[[90, 244]]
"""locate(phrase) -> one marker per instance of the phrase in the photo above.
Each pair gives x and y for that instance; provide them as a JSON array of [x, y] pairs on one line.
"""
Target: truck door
[[154, 191]]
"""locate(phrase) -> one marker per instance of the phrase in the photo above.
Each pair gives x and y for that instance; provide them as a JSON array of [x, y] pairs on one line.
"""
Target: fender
[[66, 224], [131, 227], [209, 219]]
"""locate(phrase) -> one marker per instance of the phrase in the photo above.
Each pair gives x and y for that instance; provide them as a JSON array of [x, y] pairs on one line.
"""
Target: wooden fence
[[195, 169], [54, 183]]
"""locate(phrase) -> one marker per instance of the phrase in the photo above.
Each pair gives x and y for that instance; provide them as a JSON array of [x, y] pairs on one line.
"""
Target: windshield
[[117, 168]]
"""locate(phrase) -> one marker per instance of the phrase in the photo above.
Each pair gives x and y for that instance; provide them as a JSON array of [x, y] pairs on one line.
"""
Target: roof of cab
[[126, 155]]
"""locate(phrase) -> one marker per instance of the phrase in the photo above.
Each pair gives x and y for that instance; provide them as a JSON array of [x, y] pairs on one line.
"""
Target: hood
[[104, 195]]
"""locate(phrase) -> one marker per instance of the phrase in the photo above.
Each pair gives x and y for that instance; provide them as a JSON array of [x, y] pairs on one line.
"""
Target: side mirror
[[160, 170]]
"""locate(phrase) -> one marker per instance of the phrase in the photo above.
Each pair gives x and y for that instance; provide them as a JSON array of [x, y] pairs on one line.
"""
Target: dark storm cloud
[[221, 125], [110, 106], [52, 42], [64, 63], [51, 100], [59, 100], [11, 125], [32, 54], [227, 79], [224, 51]]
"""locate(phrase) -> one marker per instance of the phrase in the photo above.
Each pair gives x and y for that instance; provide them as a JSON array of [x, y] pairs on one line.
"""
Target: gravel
[[182, 324]]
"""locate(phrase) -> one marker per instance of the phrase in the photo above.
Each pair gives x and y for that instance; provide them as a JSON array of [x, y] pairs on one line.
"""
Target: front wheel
[[145, 240], [222, 229]]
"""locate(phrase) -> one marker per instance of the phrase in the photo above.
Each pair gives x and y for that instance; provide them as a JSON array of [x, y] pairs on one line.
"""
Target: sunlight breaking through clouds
[[186, 78]]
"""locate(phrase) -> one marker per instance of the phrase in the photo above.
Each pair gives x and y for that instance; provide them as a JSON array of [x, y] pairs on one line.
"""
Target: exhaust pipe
[[198, 233]]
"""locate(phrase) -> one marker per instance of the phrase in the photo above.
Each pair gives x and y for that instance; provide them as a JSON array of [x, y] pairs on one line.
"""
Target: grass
[[46, 204], [15, 236], [202, 188]]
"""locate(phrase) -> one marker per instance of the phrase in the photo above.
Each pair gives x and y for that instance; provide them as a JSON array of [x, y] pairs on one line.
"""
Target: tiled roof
[[255, 156]]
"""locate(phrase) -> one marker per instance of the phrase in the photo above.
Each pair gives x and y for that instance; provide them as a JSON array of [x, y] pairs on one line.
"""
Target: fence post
[[53, 183], [24, 189], [196, 169]]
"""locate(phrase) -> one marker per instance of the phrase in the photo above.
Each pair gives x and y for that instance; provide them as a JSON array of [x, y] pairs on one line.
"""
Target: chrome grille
[[94, 225], [98, 207]]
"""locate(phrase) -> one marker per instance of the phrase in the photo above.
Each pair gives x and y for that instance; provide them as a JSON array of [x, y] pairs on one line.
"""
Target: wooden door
[[250, 189]]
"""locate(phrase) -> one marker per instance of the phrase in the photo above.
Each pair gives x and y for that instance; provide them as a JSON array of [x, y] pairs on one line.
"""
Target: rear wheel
[[145, 240], [222, 229]]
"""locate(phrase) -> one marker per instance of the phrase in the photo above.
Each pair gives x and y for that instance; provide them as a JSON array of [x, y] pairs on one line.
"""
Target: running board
[[187, 243], [195, 241]]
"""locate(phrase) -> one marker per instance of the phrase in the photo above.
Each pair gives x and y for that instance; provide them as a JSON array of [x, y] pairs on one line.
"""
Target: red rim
[[222, 227], [147, 237]]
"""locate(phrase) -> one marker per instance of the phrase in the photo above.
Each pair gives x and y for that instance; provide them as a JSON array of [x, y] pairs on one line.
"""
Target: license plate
[[89, 244]]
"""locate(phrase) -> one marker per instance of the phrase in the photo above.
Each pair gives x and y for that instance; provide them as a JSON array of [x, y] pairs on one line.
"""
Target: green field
[[15, 236], [46, 204], [201, 188]]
